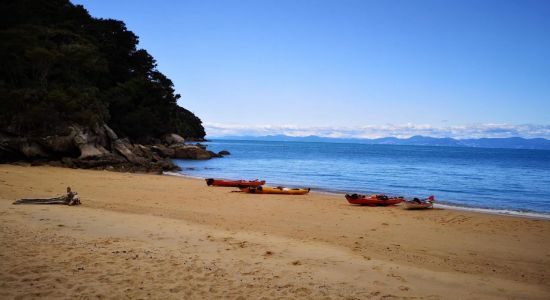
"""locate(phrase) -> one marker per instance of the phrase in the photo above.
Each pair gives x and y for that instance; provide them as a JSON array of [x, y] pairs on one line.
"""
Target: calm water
[[508, 179]]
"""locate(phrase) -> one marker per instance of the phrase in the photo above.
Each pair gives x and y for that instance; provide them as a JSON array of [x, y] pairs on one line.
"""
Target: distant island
[[417, 140]]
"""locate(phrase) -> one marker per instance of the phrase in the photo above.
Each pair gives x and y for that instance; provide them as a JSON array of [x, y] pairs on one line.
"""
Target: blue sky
[[351, 67]]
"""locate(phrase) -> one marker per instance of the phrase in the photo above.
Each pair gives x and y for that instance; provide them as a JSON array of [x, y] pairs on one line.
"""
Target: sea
[[508, 181]]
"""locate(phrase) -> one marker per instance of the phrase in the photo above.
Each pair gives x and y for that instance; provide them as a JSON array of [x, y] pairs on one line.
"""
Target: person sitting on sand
[[72, 197]]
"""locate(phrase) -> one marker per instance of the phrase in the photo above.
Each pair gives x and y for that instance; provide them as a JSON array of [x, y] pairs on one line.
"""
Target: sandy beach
[[164, 237]]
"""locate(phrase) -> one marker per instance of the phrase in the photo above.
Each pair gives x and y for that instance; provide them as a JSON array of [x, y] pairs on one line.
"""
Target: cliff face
[[99, 147], [65, 77]]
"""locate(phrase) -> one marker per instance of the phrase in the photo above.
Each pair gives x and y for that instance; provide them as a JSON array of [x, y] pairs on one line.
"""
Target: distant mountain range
[[417, 140]]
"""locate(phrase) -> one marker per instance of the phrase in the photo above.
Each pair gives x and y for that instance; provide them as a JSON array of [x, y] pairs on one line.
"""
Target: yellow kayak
[[274, 190]]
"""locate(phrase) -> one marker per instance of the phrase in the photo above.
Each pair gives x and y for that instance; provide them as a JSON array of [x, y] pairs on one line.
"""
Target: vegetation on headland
[[76, 91], [59, 66]]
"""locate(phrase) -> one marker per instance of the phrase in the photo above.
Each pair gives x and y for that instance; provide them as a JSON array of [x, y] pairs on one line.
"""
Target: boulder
[[98, 147], [91, 150], [190, 152], [224, 152], [172, 138], [148, 153], [166, 165], [87, 143], [213, 154], [163, 150], [60, 144], [143, 151], [110, 133], [124, 148], [101, 162], [32, 150]]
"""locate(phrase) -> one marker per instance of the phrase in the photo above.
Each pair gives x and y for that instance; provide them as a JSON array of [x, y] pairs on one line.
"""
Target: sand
[[166, 237]]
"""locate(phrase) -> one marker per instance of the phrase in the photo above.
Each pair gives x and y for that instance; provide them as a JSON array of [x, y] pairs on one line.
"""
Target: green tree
[[60, 66]]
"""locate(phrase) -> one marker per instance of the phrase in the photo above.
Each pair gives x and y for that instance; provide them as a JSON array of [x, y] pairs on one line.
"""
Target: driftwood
[[57, 200], [71, 198]]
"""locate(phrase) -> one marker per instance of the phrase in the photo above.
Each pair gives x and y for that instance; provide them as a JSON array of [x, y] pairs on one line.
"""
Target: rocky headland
[[76, 91], [99, 147]]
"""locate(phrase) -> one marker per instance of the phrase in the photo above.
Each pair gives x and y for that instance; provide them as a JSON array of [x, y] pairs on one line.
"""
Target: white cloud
[[376, 131]]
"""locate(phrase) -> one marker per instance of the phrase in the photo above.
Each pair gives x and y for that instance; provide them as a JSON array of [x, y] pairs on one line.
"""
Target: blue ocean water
[[502, 179]]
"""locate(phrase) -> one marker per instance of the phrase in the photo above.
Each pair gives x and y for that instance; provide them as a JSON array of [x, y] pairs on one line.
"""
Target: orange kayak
[[373, 200], [234, 183], [274, 190]]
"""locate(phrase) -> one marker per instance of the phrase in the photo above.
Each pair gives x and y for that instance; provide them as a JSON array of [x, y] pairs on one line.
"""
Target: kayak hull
[[374, 200], [416, 205], [234, 183], [274, 190]]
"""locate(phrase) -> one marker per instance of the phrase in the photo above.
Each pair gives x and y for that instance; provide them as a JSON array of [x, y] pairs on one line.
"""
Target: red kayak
[[373, 200], [234, 183], [420, 203]]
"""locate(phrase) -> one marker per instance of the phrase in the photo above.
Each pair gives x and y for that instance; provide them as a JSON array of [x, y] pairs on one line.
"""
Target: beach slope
[[151, 236]]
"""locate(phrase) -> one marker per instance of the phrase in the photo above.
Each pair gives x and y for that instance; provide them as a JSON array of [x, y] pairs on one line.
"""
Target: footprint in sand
[[396, 277]]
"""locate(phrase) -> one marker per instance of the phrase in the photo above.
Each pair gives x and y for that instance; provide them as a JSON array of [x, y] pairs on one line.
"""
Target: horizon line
[[402, 131], [353, 138]]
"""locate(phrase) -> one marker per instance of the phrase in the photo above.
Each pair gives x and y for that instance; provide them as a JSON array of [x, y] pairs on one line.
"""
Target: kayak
[[419, 204], [373, 200], [274, 190], [234, 183]]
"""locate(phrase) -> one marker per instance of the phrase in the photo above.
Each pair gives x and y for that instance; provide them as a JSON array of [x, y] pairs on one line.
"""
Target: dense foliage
[[60, 66]]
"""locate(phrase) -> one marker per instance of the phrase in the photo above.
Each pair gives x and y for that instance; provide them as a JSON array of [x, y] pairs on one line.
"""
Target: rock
[[101, 162], [163, 150], [213, 154], [124, 148], [91, 150], [9, 148], [167, 165], [196, 140], [87, 143], [201, 145], [190, 152], [158, 162], [97, 147], [62, 144], [172, 138], [32, 150], [145, 152], [224, 152], [56, 163], [110, 133]]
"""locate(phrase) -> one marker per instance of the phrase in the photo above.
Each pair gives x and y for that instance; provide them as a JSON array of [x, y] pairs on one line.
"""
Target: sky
[[351, 68]]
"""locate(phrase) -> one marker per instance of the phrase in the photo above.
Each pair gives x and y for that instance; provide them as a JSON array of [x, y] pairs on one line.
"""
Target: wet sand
[[166, 237]]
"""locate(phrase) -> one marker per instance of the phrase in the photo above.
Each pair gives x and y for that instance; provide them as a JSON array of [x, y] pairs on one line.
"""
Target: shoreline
[[491, 211], [150, 236]]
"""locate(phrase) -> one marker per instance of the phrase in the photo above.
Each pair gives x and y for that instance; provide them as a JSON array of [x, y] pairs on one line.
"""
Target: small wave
[[517, 213], [181, 175]]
